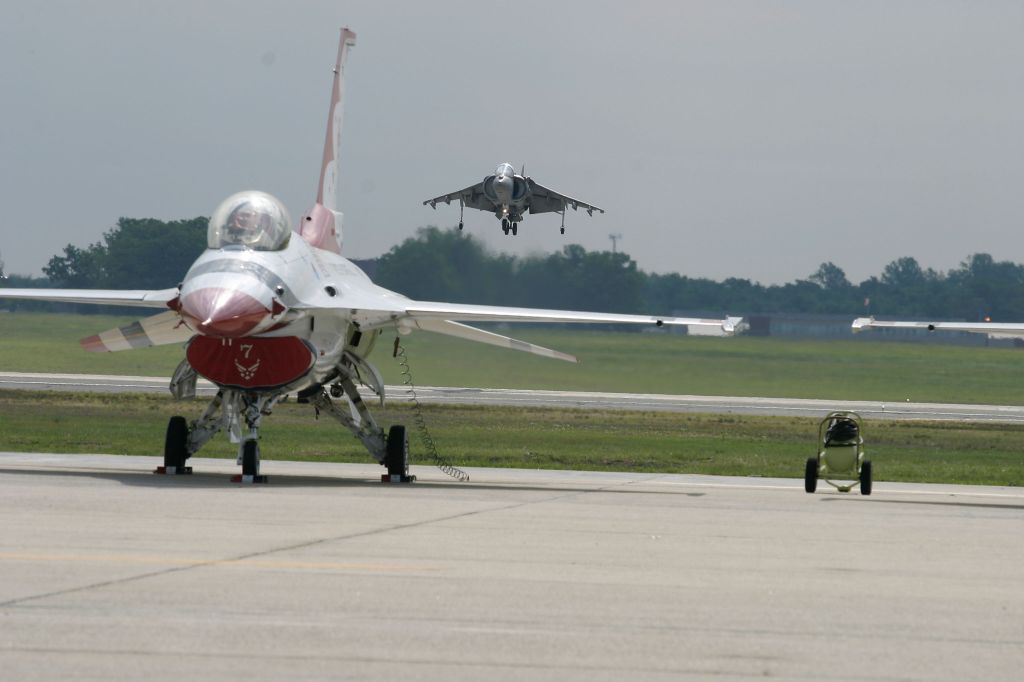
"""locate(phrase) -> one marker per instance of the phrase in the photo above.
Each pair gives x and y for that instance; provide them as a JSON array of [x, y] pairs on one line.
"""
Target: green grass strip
[[134, 424]]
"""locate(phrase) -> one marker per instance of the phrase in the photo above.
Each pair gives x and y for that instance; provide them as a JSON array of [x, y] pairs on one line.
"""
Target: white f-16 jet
[[272, 308], [508, 196]]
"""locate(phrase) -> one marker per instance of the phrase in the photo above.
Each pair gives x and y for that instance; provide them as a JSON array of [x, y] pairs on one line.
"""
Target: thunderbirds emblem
[[250, 371]]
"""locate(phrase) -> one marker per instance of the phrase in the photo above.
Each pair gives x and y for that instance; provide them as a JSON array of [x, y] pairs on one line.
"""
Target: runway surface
[[110, 572], [578, 399]]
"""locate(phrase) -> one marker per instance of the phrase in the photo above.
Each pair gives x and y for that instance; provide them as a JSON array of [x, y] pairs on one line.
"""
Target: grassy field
[[572, 439], [531, 438], [623, 362]]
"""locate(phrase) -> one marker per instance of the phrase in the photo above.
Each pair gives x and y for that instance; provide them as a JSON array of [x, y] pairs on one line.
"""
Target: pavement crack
[[19, 601]]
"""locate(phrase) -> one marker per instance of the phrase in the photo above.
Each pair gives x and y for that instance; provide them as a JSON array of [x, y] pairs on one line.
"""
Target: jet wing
[[409, 315], [1008, 329], [412, 312], [472, 197], [544, 200], [127, 297]]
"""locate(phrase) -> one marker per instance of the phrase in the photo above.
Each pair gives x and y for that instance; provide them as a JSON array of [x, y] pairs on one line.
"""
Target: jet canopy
[[250, 220]]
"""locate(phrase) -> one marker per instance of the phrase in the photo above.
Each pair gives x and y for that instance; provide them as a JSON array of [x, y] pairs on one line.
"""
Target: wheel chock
[[248, 478], [171, 471], [395, 478]]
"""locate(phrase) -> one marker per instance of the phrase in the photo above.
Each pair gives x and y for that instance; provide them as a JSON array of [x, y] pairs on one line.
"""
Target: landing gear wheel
[[515, 229], [250, 458], [460, 224], [865, 478], [811, 475], [563, 230], [250, 464], [396, 456], [504, 226], [175, 448]]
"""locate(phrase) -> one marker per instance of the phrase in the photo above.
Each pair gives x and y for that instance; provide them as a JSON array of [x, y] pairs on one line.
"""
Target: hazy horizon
[[749, 139]]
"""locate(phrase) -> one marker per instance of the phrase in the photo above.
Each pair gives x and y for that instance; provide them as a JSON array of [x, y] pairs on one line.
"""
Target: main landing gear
[[176, 448], [396, 457], [509, 226], [228, 409], [240, 412]]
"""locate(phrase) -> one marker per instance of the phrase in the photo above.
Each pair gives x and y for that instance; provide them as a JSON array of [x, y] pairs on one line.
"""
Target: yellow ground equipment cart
[[840, 455]]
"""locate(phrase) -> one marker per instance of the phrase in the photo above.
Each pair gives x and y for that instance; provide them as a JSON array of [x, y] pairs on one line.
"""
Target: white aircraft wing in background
[[1004, 329]]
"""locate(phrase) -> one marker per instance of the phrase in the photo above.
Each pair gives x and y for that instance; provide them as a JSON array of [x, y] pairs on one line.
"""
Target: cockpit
[[249, 220], [505, 169]]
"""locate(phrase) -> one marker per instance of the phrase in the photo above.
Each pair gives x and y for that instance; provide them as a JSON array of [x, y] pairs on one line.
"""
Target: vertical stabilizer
[[321, 225], [327, 194]]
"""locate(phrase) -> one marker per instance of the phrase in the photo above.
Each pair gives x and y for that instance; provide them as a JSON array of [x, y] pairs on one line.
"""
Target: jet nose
[[225, 313]]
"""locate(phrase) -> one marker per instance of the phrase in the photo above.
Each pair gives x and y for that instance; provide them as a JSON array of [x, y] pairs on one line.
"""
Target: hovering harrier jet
[[508, 196]]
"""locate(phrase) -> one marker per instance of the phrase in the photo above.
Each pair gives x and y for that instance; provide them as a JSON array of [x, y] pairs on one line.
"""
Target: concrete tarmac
[[110, 572]]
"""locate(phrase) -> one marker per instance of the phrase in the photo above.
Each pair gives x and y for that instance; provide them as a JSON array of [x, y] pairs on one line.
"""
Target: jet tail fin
[[321, 225], [327, 192]]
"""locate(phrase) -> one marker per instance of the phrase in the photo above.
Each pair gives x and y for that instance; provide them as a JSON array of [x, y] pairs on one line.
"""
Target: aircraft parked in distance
[[994, 329], [271, 309], [509, 196]]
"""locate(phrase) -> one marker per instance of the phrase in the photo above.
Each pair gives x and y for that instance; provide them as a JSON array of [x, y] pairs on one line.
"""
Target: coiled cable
[[421, 423]]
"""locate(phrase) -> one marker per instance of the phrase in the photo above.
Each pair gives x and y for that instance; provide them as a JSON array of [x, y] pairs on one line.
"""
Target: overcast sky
[[725, 139]]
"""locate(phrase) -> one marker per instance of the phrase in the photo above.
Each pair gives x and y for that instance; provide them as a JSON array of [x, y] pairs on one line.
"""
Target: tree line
[[450, 265]]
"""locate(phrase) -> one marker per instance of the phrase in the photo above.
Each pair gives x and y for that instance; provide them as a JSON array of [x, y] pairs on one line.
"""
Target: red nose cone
[[225, 313]]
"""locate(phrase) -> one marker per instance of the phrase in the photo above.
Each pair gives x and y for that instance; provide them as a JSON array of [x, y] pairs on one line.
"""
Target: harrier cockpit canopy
[[250, 220]]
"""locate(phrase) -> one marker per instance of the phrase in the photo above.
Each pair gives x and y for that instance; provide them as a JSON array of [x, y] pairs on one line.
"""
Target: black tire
[[176, 442], [396, 457], [865, 477], [563, 230], [515, 229], [811, 475], [251, 458]]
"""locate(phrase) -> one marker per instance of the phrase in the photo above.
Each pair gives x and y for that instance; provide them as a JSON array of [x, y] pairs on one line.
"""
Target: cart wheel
[[811, 475], [865, 478]]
